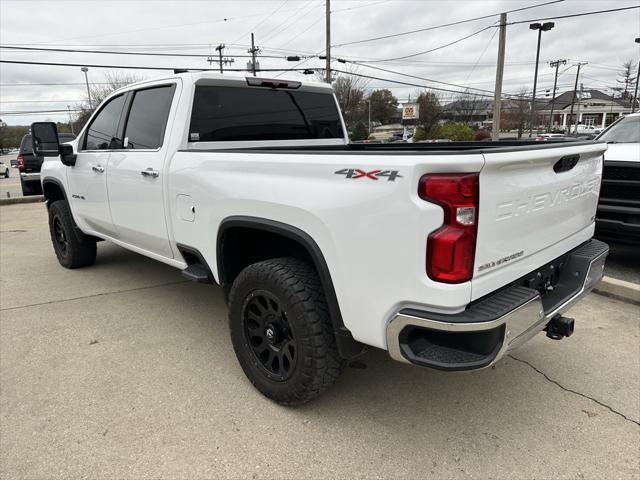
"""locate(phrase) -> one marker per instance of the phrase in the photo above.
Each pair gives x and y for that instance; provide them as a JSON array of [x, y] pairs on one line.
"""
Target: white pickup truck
[[446, 255]]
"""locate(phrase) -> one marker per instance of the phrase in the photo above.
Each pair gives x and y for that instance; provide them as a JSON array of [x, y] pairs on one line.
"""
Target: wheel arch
[[295, 242], [53, 190]]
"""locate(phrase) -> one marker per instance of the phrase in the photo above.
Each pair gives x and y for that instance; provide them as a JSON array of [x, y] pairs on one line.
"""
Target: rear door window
[[148, 118], [237, 113], [102, 133]]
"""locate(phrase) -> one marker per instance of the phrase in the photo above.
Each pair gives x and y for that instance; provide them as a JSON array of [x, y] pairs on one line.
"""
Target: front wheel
[[72, 247], [281, 330], [6, 173]]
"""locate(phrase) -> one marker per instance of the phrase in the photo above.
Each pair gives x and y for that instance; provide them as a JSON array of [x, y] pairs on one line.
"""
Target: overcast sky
[[297, 27]]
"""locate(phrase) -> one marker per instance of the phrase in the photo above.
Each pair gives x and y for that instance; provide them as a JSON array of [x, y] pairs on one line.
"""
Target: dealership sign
[[410, 111]]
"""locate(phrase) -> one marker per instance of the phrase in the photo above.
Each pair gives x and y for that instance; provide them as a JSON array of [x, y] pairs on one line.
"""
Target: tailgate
[[533, 199], [32, 163]]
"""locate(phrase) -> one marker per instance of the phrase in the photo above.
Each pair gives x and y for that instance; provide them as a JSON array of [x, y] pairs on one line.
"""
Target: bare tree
[[467, 106], [349, 90], [516, 111], [113, 82], [627, 80]]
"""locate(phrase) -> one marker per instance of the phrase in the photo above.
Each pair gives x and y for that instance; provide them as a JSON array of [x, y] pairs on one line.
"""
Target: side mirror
[[45, 139]]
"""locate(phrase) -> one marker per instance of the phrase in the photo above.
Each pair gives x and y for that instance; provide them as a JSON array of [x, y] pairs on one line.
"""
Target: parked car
[[29, 165], [618, 217], [447, 255], [4, 170]]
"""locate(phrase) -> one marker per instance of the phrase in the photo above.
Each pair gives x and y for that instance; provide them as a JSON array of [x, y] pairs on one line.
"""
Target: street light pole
[[541, 27], [86, 79], [635, 93]]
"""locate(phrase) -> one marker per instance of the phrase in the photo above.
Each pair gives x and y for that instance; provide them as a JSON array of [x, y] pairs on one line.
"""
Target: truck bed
[[412, 148]]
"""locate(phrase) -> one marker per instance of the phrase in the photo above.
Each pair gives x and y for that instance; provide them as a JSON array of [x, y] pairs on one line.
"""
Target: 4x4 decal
[[355, 173]]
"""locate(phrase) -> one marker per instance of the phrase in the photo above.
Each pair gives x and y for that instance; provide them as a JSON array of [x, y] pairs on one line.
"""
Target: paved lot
[[122, 370], [624, 262]]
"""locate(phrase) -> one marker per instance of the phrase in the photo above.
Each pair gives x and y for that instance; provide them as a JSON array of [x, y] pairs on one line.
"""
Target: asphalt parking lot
[[124, 370]]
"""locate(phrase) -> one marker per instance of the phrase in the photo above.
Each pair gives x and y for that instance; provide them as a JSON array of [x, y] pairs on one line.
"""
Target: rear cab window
[[147, 119], [240, 113]]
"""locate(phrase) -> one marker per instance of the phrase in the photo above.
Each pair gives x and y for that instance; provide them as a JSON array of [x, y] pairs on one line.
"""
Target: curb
[[16, 200], [619, 289]]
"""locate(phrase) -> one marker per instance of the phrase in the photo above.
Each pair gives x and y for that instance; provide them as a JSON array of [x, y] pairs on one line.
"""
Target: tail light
[[451, 249], [20, 163]]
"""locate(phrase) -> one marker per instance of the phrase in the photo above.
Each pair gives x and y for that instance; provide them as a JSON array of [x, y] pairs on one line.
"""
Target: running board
[[197, 272]]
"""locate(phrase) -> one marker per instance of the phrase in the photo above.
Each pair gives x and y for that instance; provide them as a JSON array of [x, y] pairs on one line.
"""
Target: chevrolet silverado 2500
[[446, 255]]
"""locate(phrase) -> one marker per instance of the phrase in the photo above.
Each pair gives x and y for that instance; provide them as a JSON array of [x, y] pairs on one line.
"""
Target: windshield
[[626, 130]]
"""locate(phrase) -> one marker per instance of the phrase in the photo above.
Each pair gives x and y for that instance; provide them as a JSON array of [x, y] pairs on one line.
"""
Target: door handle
[[98, 168], [150, 172]]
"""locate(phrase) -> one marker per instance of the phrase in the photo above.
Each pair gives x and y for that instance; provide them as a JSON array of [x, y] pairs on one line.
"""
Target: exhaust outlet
[[560, 327]]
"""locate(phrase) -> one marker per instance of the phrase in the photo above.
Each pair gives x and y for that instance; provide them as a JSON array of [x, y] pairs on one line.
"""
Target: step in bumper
[[492, 326]]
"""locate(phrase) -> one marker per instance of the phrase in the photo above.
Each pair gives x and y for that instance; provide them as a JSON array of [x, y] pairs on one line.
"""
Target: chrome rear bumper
[[488, 329]]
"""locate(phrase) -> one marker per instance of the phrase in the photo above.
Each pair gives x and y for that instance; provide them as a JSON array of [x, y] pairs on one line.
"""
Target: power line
[[35, 112], [41, 101], [421, 78], [253, 29], [150, 54], [194, 69], [411, 84], [80, 84], [270, 34], [383, 37], [575, 15], [436, 48]]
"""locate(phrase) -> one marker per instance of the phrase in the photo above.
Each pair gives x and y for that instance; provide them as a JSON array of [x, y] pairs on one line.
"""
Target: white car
[[4, 170], [447, 255], [618, 216]]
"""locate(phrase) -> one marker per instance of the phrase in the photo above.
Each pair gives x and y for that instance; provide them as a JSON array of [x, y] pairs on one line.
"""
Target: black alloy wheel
[[59, 236], [281, 330], [268, 332]]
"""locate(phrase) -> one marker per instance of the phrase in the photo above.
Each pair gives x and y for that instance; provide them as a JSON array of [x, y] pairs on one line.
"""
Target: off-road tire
[[72, 247], [296, 285]]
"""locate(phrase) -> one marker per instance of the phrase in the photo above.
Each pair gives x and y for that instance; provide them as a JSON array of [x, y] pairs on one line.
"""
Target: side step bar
[[197, 273], [197, 269]]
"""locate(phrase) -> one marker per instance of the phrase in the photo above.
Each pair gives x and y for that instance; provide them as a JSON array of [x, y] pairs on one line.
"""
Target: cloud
[[605, 41]]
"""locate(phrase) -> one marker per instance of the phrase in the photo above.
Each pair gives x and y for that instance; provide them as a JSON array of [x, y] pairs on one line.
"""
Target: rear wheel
[[281, 330], [72, 247]]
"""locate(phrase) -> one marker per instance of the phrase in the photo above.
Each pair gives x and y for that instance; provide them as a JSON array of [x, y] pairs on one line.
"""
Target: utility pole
[[70, 121], [253, 51], [86, 79], [573, 99], [219, 49], [580, 97], [556, 64], [497, 100], [328, 35], [221, 60]]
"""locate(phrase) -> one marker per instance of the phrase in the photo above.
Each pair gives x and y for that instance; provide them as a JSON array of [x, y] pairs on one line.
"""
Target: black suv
[[29, 165]]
